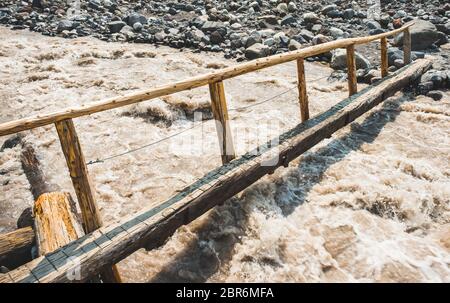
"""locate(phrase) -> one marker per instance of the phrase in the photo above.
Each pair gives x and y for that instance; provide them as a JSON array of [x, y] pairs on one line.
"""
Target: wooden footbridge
[[69, 251]]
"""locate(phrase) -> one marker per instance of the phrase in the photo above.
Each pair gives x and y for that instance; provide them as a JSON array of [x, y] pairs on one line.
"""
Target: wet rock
[[3, 269], [435, 95], [26, 218], [257, 50], [339, 60]]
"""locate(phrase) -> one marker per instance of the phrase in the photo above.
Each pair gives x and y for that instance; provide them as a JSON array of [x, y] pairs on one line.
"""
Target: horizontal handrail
[[187, 84]]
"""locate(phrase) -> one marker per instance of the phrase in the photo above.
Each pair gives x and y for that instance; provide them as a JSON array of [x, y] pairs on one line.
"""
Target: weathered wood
[[220, 75], [15, 247], [406, 46], [81, 181], [302, 94], [384, 57], [79, 173], [32, 169], [220, 113], [351, 70], [112, 243], [56, 223]]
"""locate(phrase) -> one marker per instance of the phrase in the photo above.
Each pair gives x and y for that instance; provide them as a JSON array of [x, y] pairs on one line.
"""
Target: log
[[220, 113], [220, 75], [32, 169], [384, 57], [56, 223], [15, 247], [406, 47], [302, 95], [81, 181], [351, 70], [110, 244]]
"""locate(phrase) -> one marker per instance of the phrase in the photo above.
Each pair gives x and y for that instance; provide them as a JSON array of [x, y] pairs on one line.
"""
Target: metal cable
[[189, 128]]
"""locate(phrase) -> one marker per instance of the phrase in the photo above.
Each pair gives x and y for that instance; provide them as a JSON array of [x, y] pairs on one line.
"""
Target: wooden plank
[[384, 57], [220, 112], [351, 70], [220, 75], [152, 226], [302, 94], [406, 46], [15, 247], [56, 223], [81, 181]]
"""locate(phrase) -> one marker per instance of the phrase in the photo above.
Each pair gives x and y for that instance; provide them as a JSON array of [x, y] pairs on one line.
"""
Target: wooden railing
[[72, 148]]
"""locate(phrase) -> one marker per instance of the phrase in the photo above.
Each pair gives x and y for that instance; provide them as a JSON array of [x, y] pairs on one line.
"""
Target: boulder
[[257, 50], [339, 60], [423, 35], [134, 18], [64, 25], [116, 26]]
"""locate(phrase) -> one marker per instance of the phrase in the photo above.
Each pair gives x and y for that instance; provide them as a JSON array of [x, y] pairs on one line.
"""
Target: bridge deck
[[151, 227]]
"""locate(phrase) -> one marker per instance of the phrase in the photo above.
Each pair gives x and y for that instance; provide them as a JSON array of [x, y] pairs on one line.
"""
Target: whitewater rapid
[[371, 203]]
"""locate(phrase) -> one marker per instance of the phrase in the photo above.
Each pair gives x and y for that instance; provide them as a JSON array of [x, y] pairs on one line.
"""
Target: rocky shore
[[244, 29]]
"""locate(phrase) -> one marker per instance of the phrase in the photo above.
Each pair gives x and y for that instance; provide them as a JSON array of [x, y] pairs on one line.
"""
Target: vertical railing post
[[351, 70], [80, 178], [302, 94], [220, 112], [406, 46], [384, 57]]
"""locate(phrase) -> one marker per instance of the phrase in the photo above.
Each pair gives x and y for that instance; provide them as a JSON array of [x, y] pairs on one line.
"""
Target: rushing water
[[370, 203]]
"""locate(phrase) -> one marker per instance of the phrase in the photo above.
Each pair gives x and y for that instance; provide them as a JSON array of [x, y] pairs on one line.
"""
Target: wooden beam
[[220, 113], [15, 247], [81, 181], [351, 70], [302, 94], [406, 46], [112, 243], [56, 223], [220, 75], [79, 173], [384, 57]]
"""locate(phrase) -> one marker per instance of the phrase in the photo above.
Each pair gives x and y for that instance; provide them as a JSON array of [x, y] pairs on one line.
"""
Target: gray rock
[[216, 38], [289, 19], [336, 32], [319, 39], [257, 50], [64, 25], [311, 18], [116, 26], [423, 35], [134, 18], [316, 28], [294, 45], [329, 8], [137, 26], [339, 60], [282, 8], [372, 24], [349, 14], [269, 19], [292, 7], [211, 26]]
